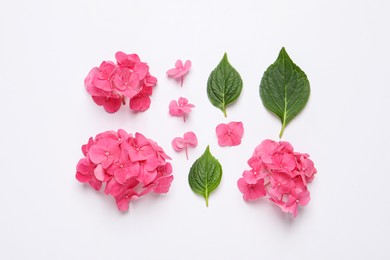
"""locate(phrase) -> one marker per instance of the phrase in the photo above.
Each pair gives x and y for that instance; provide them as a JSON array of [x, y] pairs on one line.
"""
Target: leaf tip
[[225, 57]]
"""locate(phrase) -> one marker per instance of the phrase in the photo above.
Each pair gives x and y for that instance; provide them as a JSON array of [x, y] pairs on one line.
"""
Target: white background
[[47, 49]]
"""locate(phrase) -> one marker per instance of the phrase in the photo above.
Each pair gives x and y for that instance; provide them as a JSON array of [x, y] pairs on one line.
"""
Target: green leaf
[[284, 89], [224, 85], [205, 175]]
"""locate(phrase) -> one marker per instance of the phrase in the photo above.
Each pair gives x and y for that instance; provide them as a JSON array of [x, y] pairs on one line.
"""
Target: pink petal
[[182, 101], [150, 81], [251, 191], [249, 177], [146, 177], [179, 64], [97, 154], [237, 129], [178, 144], [225, 140], [174, 109], [110, 104], [221, 130], [96, 184], [172, 73], [191, 139], [99, 173], [140, 103], [127, 60], [163, 184], [187, 65], [83, 177], [141, 69]]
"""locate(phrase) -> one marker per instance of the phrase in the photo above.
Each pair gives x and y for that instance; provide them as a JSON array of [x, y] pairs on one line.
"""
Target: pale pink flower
[[180, 108], [230, 134], [179, 71], [182, 143]]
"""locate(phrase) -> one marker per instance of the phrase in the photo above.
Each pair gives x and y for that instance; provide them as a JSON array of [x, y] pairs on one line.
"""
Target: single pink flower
[[148, 169], [138, 148], [251, 191], [124, 169], [105, 152], [141, 101], [180, 70], [189, 140], [281, 182], [296, 198], [85, 173], [111, 104], [126, 82], [230, 134], [180, 108], [163, 184]]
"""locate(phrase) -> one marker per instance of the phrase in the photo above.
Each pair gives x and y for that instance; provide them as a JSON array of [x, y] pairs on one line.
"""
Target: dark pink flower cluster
[[280, 173], [129, 166], [110, 84]]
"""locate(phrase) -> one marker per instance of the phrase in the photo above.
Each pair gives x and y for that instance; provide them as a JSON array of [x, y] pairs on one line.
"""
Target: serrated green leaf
[[205, 175], [284, 89], [224, 85]]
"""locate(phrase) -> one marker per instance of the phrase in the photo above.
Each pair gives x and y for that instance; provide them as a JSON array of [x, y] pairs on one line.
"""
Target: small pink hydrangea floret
[[111, 83], [182, 143], [279, 172], [180, 108], [179, 71], [129, 166], [230, 134]]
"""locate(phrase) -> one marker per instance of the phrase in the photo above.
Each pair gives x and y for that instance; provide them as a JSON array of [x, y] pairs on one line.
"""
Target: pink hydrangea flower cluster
[[280, 173], [181, 107], [111, 83], [129, 166]]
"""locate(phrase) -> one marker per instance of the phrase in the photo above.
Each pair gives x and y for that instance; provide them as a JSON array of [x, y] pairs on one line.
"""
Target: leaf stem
[[224, 111], [282, 130], [207, 201]]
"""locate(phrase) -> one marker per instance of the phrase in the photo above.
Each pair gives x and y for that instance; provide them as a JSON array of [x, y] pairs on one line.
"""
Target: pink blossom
[[104, 152], [85, 173], [251, 191], [180, 108], [180, 70], [141, 101], [129, 166], [111, 104], [189, 140], [282, 173], [230, 134], [110, 84]]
